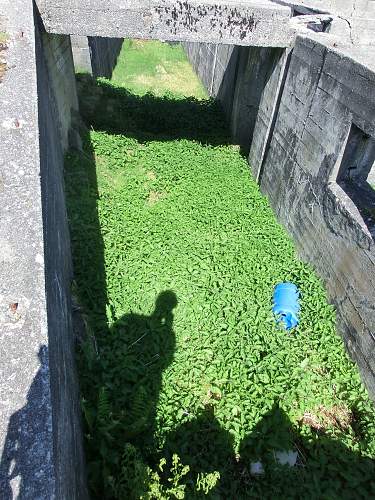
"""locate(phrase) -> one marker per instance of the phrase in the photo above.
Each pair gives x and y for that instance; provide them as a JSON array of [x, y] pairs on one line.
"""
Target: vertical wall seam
[[282, 80], [213, 71]]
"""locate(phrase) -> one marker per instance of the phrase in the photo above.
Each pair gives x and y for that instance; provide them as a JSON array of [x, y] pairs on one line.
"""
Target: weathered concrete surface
[[96, 55], [255, 68], [216, 66], [240, 78], [26, 440], [203, 59], [60, 67], [81, 53], [40, 441], [326, 91], [244, 22], [66, 411], [277, 67], [358, 15]]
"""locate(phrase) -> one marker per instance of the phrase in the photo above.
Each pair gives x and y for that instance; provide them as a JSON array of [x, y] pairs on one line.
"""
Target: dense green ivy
[[185, 377]]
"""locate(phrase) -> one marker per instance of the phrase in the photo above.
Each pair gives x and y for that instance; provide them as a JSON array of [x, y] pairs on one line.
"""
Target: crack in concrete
[[350, 28]]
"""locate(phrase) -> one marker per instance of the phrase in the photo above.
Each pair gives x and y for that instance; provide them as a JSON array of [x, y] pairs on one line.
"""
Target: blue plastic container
[[286, 304]]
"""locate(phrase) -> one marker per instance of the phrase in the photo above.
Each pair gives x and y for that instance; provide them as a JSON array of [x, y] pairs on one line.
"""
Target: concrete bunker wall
[[96, 55], [238, 77], [58, 111], [40, 436], [326, 92], [292, 111]]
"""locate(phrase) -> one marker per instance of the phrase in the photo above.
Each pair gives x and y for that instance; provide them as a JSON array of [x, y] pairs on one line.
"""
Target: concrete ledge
[[244, 22], [357, 17], [40, 440]]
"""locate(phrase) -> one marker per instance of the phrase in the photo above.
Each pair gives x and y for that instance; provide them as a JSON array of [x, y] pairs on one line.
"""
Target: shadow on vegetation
[[122, 362], [114, 109], [325, 468]]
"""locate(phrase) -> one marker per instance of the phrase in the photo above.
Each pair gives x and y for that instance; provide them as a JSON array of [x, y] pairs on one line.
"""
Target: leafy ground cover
[[185, 378], [156, 66]]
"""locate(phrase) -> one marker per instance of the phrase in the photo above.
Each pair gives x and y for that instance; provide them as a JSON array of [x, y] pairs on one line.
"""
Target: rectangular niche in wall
[[355, 175]]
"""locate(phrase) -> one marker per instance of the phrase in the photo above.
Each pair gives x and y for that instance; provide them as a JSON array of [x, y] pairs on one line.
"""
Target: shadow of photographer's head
[[165, 304]]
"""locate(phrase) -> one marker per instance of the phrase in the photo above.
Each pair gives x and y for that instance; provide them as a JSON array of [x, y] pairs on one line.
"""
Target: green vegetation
[[156, 67], [185, 378]]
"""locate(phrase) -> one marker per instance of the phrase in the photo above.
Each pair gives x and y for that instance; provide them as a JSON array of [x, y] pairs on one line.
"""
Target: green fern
[[139, 412], [132, 481], [104, 408]]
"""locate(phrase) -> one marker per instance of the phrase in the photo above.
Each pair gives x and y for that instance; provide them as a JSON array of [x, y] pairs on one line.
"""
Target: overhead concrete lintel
[[241, 22]]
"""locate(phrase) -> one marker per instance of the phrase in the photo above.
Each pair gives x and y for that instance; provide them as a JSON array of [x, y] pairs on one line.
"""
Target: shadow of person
[[26, 462], [127, 378], [148, 345]]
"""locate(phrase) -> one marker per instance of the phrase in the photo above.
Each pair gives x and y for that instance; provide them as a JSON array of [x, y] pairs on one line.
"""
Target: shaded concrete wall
[[96, 55], [216, 66], [59, 61], [237, 77], [57, 105], [40, 438]]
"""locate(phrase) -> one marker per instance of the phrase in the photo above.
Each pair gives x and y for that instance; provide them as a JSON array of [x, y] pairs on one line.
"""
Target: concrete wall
[[96, 55], [357, 15], [40, 439], [57, 105], [330, 216], [59, 60], [294, 110], [237, 77]]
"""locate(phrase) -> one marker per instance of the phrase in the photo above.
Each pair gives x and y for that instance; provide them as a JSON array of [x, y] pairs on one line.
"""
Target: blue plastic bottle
[[286, 304]]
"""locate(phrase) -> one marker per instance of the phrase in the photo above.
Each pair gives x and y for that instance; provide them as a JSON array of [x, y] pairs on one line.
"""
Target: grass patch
[[3, 46], [154, 67], [185, 378], [3, 37]]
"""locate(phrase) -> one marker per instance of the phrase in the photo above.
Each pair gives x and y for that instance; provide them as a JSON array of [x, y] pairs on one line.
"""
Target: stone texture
[[240, 78], [277, 68], [60, 68], [327, 90], [40, 439], [96, 55], [357, 15], [248, 22]]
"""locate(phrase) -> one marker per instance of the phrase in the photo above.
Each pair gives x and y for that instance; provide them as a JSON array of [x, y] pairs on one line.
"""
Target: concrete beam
[[239, 22]]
